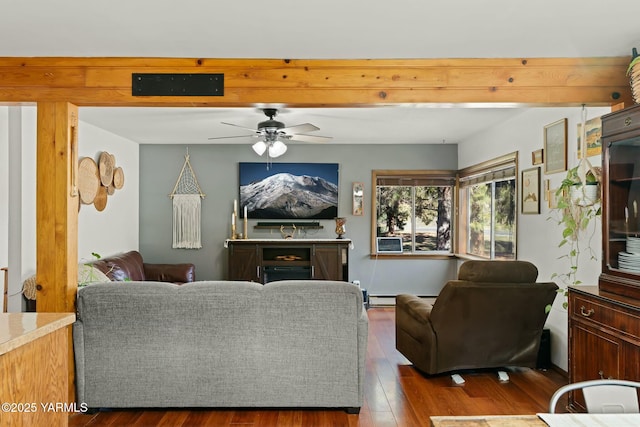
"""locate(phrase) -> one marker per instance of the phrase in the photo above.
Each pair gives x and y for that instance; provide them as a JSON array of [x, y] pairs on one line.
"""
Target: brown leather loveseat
[[130, 266], [491, 317], [125, 266]]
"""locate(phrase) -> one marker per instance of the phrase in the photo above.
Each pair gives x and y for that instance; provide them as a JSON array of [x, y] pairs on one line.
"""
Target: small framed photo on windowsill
[[530, 193]]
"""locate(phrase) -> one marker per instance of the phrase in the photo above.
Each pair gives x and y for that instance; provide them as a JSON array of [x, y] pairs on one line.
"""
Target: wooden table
[[570, 419], [489, 421], [34, 355]]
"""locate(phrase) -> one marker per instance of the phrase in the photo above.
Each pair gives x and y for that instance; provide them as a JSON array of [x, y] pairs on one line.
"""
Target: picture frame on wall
[[553, 198], [594, 137], [536, 157], [555, 147], [530, 191], [358, 199]]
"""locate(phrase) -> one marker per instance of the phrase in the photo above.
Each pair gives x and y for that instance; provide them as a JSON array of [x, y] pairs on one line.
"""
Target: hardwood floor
[[395, 395]]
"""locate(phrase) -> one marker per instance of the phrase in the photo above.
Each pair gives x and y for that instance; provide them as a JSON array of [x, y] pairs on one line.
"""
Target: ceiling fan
[[272, 133]]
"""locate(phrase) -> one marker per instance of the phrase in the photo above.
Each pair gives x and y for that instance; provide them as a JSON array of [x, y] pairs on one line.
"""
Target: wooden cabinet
[[330, 262], [621, 203], [245, 262], [34, 366], [604, 337], [269, 260], [604, 320]]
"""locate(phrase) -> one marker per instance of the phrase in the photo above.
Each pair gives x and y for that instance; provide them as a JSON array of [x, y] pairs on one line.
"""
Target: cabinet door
[[244, 263], [327, 263], [593, 354]]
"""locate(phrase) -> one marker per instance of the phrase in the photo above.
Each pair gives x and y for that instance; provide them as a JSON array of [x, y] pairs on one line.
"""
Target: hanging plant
[[577, 205]]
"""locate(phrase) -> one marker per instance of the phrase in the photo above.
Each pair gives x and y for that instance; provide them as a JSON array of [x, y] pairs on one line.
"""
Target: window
[[416, 206], [487, 215]]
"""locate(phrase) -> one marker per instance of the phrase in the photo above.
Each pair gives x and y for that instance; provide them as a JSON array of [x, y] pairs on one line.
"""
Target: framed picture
[[536, 157], [553, 198], [546, 189], [358, 199], [531, 191], [594, 137], [555, 147], [267, 192]]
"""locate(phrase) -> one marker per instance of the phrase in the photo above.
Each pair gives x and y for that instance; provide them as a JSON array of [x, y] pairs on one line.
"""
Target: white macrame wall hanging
[[186, 196]]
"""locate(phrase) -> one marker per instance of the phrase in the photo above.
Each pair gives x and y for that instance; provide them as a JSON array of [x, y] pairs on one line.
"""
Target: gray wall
[[216, 168]]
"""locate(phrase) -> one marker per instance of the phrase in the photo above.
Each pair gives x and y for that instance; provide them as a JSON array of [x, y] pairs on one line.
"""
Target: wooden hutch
[[604, 320]]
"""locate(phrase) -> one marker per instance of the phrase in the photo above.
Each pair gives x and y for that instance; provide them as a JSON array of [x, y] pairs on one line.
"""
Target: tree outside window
[[417, 209], [492, 210], [487, 215]]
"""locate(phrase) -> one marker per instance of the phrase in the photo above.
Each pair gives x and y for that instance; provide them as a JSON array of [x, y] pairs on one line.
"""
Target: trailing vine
[[574, 218]]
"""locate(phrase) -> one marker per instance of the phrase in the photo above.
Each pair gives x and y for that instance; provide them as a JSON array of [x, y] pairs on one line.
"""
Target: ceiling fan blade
[[235, 136], [241, 127], [305, 127], [309, 138]]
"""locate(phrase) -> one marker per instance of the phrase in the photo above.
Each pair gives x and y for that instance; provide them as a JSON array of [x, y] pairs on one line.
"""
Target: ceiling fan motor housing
[[270, 125]]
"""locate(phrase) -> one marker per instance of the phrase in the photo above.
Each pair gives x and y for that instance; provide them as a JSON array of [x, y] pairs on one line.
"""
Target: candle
[[245, 228], [235, 207]]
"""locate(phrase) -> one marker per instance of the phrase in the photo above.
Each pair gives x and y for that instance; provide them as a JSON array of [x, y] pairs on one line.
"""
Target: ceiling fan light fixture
[[259, 147], [277, 149]]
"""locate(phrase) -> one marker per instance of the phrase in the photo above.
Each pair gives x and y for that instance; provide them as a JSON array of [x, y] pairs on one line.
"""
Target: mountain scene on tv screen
[[288, 196]]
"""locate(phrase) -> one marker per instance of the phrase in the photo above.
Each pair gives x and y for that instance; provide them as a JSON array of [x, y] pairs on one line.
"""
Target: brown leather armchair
[[491, 317]]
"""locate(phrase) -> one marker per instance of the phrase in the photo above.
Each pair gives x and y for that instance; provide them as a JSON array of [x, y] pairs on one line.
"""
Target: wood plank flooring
[[395, 395]]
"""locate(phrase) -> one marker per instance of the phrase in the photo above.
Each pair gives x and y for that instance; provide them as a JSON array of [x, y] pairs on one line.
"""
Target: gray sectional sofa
[[220, 344]]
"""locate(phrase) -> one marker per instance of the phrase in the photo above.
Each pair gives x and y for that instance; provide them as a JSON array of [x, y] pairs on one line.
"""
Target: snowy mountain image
[[288, 196]]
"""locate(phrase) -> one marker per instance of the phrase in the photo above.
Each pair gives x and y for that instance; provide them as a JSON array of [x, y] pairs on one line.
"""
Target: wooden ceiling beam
[[325, 83]]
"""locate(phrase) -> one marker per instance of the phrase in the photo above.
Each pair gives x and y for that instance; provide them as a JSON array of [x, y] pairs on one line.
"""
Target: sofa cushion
[[88, 274]]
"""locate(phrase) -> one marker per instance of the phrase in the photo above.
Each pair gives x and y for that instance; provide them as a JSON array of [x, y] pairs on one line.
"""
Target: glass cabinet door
[[622, 251]]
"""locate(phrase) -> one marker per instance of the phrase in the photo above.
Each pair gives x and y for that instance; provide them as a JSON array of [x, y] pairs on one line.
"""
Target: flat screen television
[[293, 191]]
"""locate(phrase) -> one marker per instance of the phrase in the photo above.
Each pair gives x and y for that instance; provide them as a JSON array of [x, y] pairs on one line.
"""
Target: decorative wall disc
[[100, 202], [106, 164], [118, 178], [88, 180]]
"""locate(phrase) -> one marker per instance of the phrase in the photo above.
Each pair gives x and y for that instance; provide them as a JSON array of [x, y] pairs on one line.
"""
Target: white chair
[[603, 396]]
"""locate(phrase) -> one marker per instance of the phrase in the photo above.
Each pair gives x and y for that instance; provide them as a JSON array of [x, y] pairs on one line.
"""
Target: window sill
[[412, 256], [470, 257]]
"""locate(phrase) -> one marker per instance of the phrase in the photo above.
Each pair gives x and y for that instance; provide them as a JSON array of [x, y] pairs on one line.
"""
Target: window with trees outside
[[487, 215], [416, 206]]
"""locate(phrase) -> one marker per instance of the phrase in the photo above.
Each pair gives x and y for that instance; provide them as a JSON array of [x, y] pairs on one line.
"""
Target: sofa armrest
[[415, 307], [415, 336], [176, 273], [78, 353]]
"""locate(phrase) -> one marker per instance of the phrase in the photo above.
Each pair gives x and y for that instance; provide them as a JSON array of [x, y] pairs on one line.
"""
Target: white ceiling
[[331, 29]]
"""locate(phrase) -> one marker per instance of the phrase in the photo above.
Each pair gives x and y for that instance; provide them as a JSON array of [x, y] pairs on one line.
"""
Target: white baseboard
[[390, 300]]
